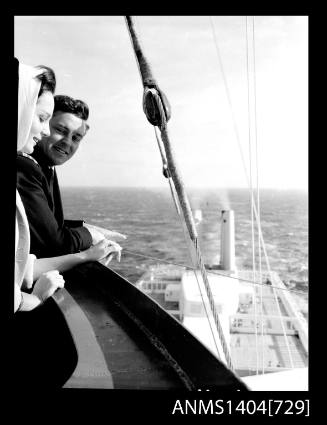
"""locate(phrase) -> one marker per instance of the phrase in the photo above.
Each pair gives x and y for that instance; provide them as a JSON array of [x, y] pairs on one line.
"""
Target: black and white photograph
[[161, 236]]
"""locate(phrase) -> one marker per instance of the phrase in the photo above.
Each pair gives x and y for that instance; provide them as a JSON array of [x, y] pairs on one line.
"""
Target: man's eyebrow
[[62, 126]]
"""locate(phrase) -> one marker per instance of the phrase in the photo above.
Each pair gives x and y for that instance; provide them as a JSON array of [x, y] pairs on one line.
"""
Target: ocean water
[[148, 217]]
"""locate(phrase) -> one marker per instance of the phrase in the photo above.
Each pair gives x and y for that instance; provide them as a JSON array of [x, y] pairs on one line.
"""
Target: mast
[[157, 110]]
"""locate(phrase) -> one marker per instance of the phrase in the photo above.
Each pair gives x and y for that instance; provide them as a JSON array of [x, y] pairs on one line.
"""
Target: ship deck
[[255, 349], [267, 349]]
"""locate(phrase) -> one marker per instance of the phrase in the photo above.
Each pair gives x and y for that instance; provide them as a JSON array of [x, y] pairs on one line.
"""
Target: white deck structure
[[263, 327]]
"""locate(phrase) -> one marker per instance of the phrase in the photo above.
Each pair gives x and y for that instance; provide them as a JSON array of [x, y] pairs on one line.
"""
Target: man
[[37, 183]]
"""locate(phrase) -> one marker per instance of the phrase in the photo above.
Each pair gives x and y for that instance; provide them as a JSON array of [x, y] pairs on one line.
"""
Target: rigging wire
[[246, 174], [258, 191], [235, 126], [227, 91], [194, 238], [252, 204], [213, 271], [189, 221], [274, 291], [195, 269], [187, 240], [251, 191]]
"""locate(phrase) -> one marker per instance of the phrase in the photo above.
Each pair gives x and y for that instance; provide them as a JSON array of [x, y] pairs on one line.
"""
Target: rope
[[166, 171], [192, 232], [187, 240], [212, 305], [157, 111], [188, 244]]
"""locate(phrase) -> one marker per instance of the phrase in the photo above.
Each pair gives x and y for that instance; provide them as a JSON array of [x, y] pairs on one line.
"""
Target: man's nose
[[67, 140]]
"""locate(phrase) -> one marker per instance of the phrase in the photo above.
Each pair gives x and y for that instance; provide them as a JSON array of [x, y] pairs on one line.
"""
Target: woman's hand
[[47, 284], [101, 250]]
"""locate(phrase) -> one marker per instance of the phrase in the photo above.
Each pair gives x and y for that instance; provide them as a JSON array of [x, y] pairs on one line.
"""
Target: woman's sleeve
[[28, 277], [17, 297]]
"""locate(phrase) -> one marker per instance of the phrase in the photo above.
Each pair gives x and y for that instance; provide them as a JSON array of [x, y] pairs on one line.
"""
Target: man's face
[[67, 130]]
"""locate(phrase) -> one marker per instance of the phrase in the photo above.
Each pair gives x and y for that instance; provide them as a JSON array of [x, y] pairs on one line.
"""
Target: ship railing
[[270, 322], [284, 297]]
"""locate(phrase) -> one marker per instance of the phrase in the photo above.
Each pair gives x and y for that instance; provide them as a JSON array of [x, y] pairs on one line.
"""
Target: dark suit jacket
[[51, 235]]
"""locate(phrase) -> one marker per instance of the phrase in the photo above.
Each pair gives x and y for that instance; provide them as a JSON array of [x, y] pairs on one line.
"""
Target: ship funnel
[[227, 243], [198, 216]]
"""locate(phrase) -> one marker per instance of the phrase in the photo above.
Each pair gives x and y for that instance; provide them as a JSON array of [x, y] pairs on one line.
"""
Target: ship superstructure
[[262, 324]]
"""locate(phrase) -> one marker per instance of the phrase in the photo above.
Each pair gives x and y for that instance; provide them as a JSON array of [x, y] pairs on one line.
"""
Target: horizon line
[[190, 187]]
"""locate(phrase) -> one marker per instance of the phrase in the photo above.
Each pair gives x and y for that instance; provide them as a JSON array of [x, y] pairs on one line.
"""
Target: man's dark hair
[[73, 106], [47, 78]]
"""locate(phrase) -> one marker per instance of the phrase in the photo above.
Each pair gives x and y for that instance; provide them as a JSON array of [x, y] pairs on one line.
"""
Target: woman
[[35, 108], [43, 354]]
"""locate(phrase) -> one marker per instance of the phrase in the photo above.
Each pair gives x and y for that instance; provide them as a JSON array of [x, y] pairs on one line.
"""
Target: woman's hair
[[47, 78], [73, 106]]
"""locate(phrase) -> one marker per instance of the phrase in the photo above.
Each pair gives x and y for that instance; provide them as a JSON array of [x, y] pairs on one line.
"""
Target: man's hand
[[96, 235], [99, 233], [116, 252], [102, 251]]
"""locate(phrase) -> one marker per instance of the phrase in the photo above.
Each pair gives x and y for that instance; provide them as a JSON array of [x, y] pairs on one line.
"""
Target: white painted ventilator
[[227, 247]]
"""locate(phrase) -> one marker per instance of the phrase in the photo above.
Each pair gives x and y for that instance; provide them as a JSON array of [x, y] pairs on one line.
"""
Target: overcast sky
[[94, 61]]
